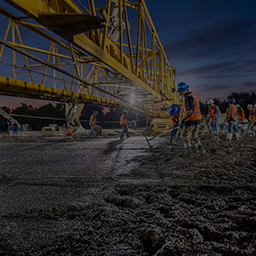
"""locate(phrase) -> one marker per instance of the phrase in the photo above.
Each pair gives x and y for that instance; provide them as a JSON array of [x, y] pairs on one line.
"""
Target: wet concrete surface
[[112, 197]]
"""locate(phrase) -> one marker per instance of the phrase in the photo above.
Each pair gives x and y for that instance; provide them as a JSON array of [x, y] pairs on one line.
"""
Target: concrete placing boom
[[124, 61], [9, 118]]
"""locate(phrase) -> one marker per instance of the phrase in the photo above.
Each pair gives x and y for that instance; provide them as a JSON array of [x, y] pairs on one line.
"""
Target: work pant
[[92, 131], [125, 130], [252, 127], [174, 132], [190, 132], [214, 125], [232, 126], [14, 132]]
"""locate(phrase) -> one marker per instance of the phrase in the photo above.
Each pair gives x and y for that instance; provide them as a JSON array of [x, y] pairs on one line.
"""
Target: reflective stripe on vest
[[240, 115], [196, 113], [123, 120], [92, 120], [231, 113], [212, 112]]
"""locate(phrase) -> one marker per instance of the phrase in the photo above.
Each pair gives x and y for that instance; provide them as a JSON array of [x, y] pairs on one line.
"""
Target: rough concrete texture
[[112, 197]]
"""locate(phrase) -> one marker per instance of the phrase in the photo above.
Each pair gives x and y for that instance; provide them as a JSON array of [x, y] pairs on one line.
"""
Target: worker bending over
[[72, 131], [98, 130], [92, 123], [174, 112], [191, 118], [230, 118], [240, 116], [213, 115], [124, 123], [250, 118]]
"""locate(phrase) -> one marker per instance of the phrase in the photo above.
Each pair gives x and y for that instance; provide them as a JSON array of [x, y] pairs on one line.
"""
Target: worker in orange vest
[[213, 115], [92, 123], [250, 118], [72, 131], [231, 117], [190, 119], [240, 116], [124, 124], [174, 112], [98, 130], [14, 127]]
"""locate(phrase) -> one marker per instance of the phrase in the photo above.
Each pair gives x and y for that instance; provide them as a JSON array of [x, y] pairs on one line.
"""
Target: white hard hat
[[249, 106], [237, 105], [210, 101]]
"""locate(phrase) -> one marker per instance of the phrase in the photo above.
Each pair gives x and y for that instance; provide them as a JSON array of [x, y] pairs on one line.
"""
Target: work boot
[[229, 136], [237, 135], [187, 148], [200, 146], [171, 140]]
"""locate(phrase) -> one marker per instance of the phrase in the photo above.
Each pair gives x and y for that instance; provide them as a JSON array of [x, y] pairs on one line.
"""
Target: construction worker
[[190, 119], [240, 117], [213, 115], [14, 127], [124, 123], [98, 130], [92, 123], [174, 112], [72, 131], [231, 117], [250, 118]]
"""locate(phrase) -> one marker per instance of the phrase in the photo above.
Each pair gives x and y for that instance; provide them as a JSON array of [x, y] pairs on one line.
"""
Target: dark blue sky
[[212, 44]]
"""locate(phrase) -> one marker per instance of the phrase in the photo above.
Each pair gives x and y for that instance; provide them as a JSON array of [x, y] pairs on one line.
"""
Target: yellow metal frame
[[141, 67]]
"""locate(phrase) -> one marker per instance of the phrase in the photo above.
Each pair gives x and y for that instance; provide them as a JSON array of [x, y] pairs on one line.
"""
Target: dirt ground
[[111, 197]]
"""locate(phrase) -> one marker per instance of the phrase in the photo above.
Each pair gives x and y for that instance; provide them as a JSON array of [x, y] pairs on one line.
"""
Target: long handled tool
[[242, 135], [150, 146], [163, 133]]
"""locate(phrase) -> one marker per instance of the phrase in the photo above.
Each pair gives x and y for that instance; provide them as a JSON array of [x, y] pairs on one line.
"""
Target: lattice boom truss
[[75, 55]]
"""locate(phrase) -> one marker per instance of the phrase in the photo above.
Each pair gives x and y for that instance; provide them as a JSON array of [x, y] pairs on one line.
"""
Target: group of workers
[[96, 130], [188, 117]]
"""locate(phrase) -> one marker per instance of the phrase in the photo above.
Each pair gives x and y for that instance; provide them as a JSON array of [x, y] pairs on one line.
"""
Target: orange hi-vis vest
[[175, 117], [251, 114], [240, 114], [196, 113], [212, 111], [123, 120], [14, 122], [231, 112], [93, 120], [98, 128], [70, 131]]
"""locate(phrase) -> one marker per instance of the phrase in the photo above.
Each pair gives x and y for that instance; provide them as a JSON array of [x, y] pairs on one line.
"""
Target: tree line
[[106, 120], [241, 98]]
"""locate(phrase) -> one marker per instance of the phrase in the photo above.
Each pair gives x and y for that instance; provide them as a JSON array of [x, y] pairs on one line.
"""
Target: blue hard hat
[[95, 112], [173, 109], [182, 87], [232, 100]]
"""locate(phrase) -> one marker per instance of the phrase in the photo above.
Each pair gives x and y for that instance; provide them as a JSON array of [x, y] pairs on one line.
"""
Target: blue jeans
[[125, 130], [252, 127], [214, 125], [232, 125], [92, 131]]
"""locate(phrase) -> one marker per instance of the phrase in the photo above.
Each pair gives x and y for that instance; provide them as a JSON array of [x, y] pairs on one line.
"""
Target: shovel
[[242, 135], [150, 146]]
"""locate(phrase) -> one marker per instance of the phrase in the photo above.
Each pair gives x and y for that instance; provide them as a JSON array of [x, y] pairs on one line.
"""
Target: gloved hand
[[181, 122], [167, 127]]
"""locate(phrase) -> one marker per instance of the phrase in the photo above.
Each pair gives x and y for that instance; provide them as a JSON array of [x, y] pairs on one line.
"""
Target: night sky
[[212, 45]]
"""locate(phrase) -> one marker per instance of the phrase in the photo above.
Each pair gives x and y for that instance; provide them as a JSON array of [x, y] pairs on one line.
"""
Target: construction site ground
[[105, 196]]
